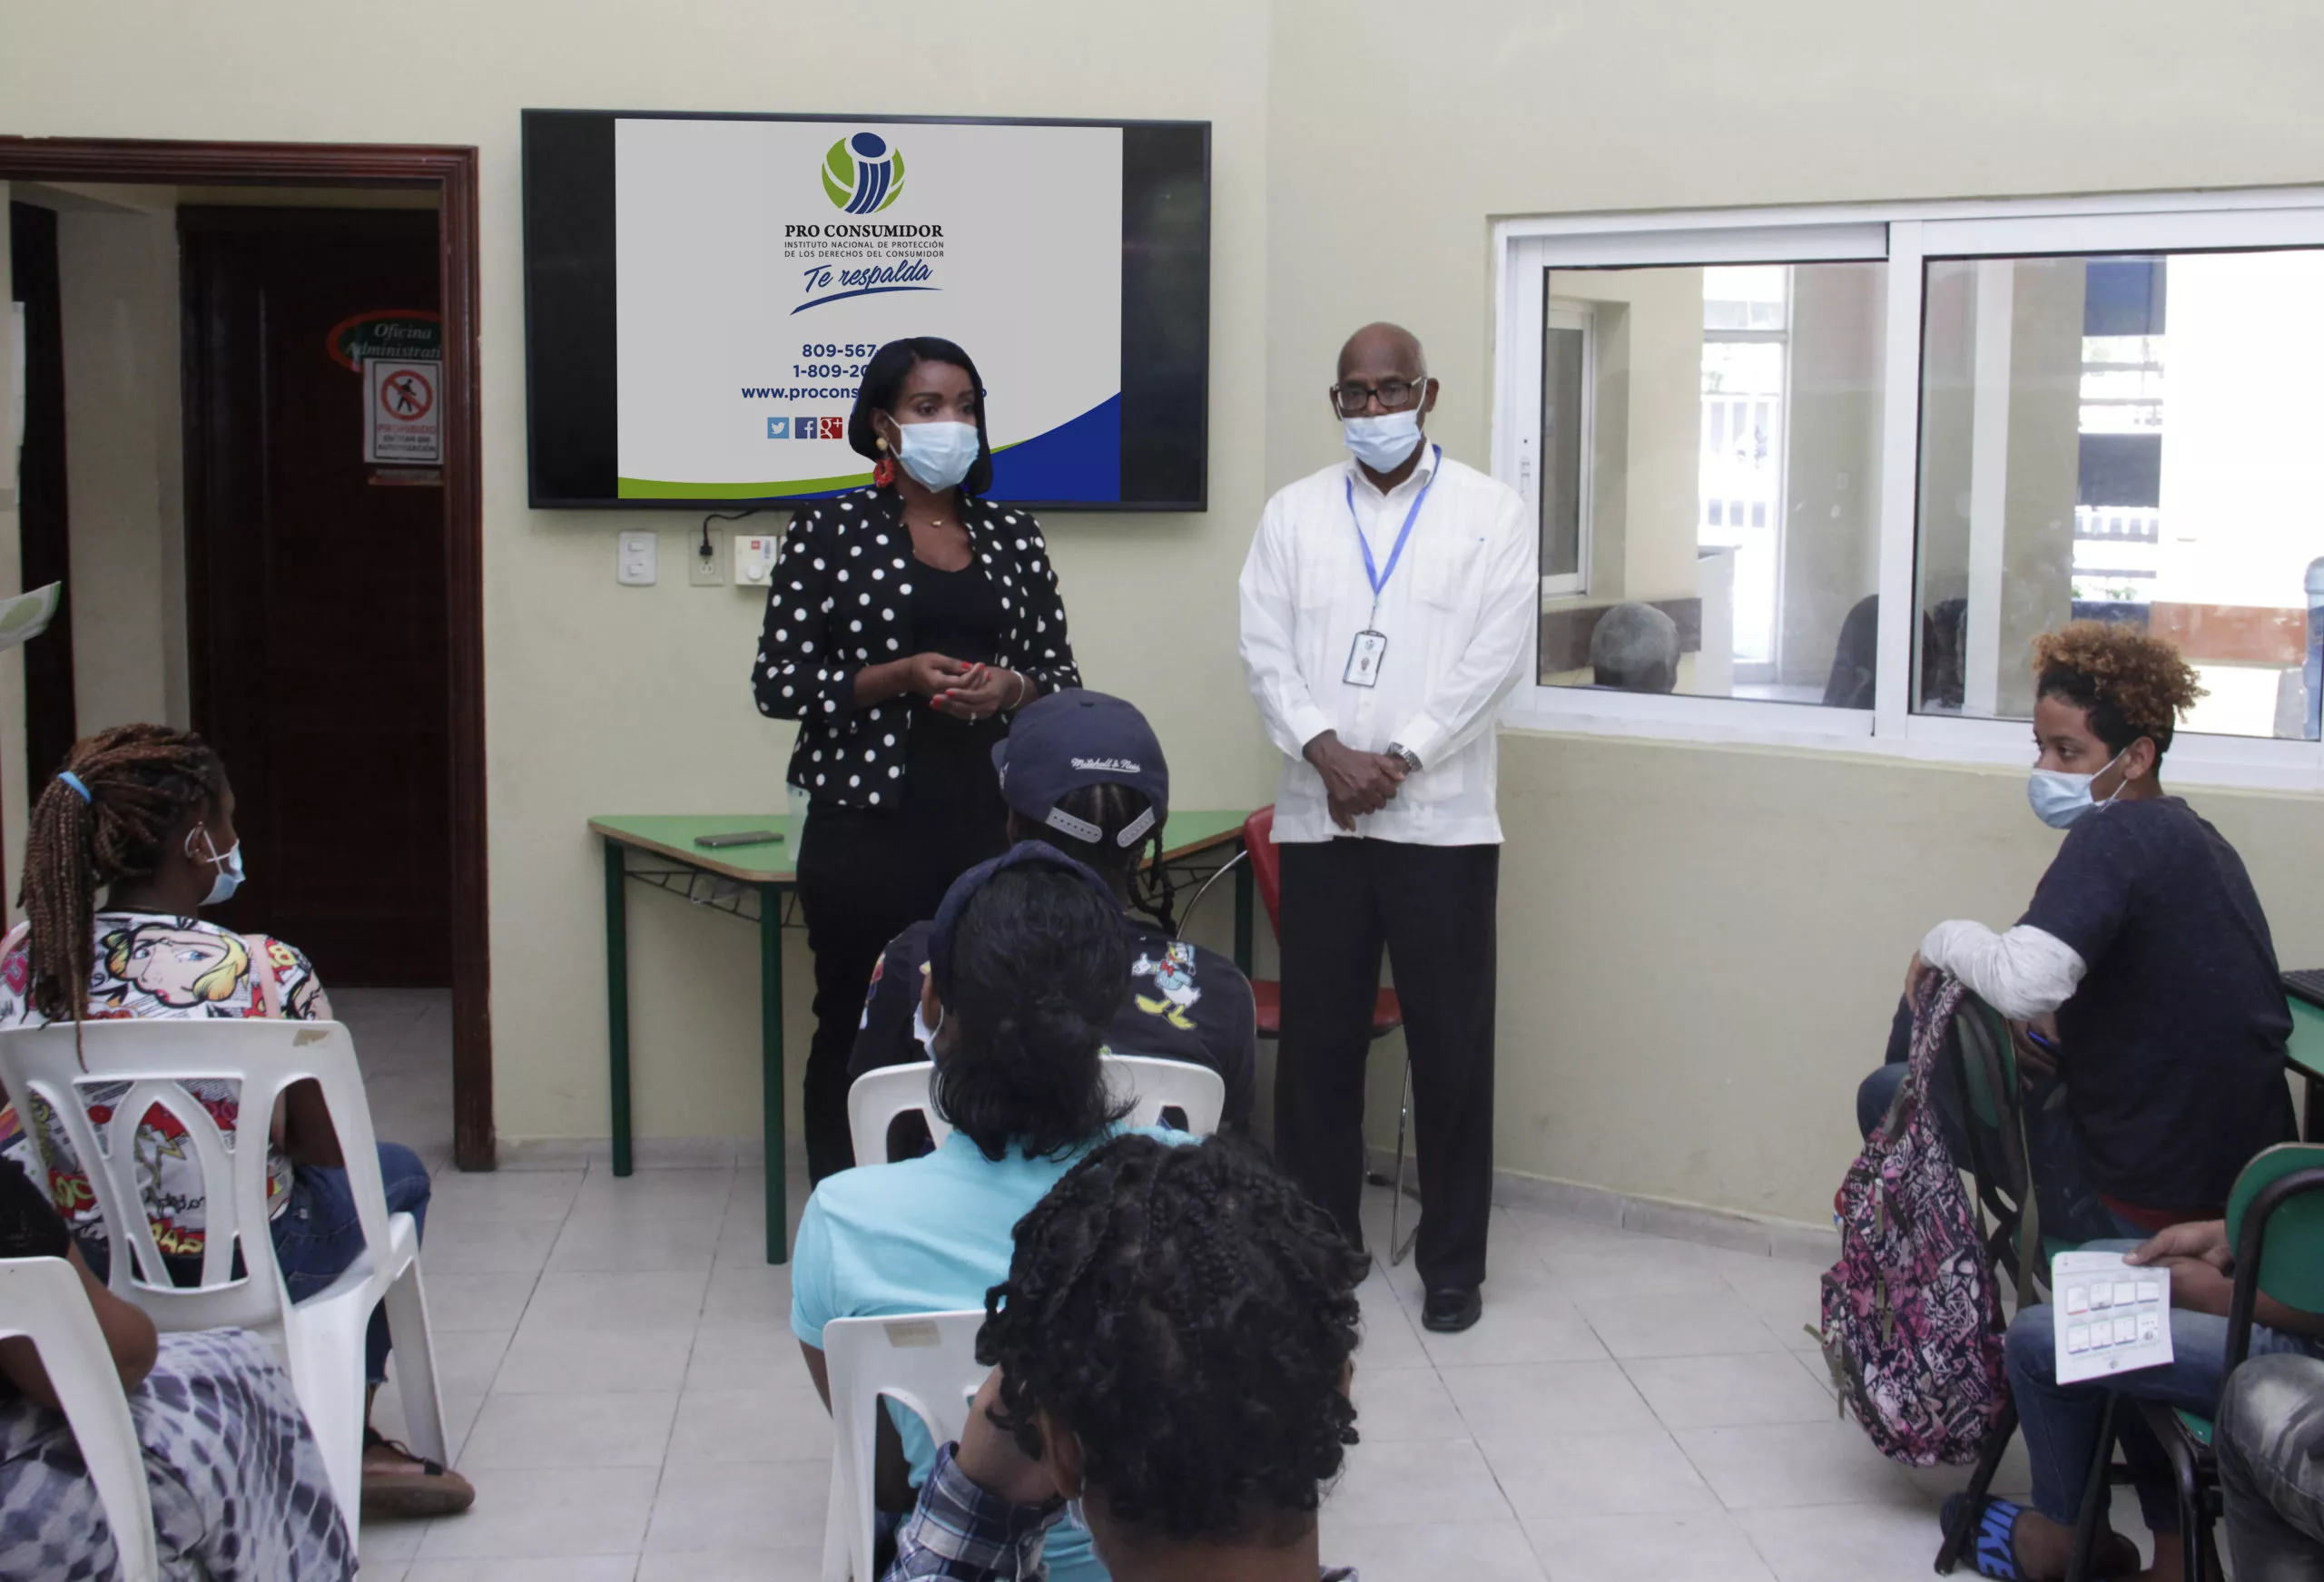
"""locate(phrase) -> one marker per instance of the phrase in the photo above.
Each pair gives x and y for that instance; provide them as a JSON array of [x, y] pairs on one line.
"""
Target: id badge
[[1364, 659]]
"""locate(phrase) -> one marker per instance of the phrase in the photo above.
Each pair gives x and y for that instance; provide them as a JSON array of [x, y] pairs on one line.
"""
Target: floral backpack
[[1913, 1324]]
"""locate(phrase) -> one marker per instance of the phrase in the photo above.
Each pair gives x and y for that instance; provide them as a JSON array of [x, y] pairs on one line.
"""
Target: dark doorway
[[317, 615], [46, 551], [450, 174]]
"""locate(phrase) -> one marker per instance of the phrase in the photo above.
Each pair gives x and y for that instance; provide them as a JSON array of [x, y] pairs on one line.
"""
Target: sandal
[[1992, 1549], [434, 1490]]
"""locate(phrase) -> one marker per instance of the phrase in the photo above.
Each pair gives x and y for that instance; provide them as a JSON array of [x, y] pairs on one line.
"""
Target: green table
[[2305, 1057], [660, 850]]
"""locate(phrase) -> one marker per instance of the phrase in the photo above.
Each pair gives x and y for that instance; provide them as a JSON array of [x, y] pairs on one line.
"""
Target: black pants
[[865, 875], [1432, 908]]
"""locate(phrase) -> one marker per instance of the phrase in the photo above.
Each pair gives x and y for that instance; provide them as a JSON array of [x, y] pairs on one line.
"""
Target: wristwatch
[[1411, 759]]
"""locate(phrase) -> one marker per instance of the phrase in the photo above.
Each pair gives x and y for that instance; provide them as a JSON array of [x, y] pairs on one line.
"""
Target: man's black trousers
[[1432, 908]]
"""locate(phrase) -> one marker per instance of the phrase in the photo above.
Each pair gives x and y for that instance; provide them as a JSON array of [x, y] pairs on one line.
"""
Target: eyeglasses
[[1395, 395]]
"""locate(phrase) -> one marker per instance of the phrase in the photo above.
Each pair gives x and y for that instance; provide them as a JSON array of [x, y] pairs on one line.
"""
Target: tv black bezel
[[537, 500]]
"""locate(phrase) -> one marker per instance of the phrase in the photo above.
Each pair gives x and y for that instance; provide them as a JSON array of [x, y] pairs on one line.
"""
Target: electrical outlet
[[634, 564], [706, 561]]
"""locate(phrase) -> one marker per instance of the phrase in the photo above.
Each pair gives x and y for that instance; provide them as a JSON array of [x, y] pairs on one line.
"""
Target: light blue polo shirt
[[930, 1234]]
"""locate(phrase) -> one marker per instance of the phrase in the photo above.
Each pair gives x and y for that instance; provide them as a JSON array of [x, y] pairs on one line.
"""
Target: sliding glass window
[[1822, 476]]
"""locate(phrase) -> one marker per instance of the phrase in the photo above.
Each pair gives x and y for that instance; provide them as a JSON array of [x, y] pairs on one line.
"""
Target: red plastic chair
[[1266, 870]]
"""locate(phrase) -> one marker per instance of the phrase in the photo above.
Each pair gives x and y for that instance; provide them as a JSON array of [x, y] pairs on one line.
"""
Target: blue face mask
[[229, 870], [938, 455], [1383, 443], [2059, 798]]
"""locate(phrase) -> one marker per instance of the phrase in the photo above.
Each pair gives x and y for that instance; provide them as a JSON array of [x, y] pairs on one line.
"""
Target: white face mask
[[2059, 798], [229, 866], [938, 455], [1385, 442], [921, 1033]]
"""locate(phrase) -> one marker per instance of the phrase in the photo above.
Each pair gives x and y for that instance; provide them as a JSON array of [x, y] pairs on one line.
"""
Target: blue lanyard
[[1380, 578]]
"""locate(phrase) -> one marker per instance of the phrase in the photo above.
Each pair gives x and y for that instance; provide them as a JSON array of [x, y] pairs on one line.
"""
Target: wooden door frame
[[451, 174]]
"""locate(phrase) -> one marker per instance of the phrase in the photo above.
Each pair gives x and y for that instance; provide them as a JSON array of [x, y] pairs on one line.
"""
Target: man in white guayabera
[[1386, 606]]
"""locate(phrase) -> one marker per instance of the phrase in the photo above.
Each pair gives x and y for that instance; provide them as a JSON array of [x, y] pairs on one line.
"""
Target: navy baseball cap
[[1024, 854], [1069, 739]]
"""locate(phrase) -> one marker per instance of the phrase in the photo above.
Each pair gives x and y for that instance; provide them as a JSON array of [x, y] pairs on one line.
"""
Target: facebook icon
[[778, 428]]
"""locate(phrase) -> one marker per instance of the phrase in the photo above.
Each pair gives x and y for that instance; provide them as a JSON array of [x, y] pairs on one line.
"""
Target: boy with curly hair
[[1173, 1344], [2146, 964]]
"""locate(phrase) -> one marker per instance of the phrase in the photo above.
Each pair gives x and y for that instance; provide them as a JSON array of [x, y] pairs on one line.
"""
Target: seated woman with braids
[[1027, 965], [1174, 1342], [146, 814]]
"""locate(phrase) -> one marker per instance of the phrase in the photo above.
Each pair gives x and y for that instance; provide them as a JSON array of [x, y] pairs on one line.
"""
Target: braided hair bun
[[1190, 1316]]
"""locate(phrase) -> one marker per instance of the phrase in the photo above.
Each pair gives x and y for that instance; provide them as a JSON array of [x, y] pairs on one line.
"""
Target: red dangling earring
[[883, 472]]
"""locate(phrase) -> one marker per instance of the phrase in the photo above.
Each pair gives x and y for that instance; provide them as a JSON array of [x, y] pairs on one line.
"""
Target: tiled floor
[[623, 1388]]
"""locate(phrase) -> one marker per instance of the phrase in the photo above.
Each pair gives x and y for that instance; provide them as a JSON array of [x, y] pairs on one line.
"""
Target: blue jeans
[[318, 1235], [2061, 1422]]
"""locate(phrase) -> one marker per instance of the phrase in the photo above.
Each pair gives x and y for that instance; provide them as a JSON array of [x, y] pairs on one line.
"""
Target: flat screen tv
[[703, 292]]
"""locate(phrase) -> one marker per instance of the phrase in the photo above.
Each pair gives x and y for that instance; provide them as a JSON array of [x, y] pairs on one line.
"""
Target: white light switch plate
[[634, 568]]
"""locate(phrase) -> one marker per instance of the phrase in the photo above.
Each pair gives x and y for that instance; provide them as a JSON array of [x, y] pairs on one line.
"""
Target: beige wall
[[1832, 463], [124, 473], [607, 699], [1700, 947], [12, 662], [1784, 892]]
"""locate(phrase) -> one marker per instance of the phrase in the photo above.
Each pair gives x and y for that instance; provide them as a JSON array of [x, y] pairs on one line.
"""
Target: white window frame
[[1903, 235], [1531, 463]]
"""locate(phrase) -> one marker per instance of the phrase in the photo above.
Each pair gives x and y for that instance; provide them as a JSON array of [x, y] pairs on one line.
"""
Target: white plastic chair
[[321, 1340], [927, 1361], [1151, 1086], [1148, 1084], [42, 1298], [877, 1097]]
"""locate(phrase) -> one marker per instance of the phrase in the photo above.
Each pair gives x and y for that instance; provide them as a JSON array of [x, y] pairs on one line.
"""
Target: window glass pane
[[1564, 363], [2121, 439], [1733, 455]]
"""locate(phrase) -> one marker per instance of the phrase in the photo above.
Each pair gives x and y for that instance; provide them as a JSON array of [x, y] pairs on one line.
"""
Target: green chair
[[1975, 1086], [1978, 1086], [2275, 1223], [2305, 1057]]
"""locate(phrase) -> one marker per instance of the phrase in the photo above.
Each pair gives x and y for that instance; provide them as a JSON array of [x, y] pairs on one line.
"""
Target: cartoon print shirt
[[1185, 1002], [151, 965]]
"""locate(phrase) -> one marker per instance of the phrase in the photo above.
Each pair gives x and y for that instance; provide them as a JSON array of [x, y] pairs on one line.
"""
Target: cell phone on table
[[738, 837]]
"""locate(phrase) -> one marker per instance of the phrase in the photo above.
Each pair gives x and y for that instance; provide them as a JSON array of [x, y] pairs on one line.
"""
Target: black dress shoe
[[1451, 1310]]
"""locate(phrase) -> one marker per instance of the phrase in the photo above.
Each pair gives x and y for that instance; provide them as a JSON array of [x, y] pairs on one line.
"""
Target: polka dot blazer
[[841, 599]]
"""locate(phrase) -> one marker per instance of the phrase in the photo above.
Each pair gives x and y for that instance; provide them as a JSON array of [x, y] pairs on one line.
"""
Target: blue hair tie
[[72, 779]]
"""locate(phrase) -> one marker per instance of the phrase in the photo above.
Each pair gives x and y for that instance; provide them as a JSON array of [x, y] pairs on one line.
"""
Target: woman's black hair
[[883, 380], [1038, 968], [1189, 1314]]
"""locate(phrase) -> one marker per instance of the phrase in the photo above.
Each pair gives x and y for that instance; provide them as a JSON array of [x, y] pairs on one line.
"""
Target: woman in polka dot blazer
[[906, 624]]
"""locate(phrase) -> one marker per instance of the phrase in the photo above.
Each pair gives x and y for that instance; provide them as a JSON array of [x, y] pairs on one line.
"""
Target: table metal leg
[[778, 1214], [618, 1001], [1242, 882]]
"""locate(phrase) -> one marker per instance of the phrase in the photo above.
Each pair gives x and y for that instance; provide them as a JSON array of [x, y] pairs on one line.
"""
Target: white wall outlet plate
[[706, 560], [754, 556], [635, 566]]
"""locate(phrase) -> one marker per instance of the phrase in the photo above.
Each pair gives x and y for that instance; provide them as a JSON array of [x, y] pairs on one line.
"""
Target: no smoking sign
[[400, 420]]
